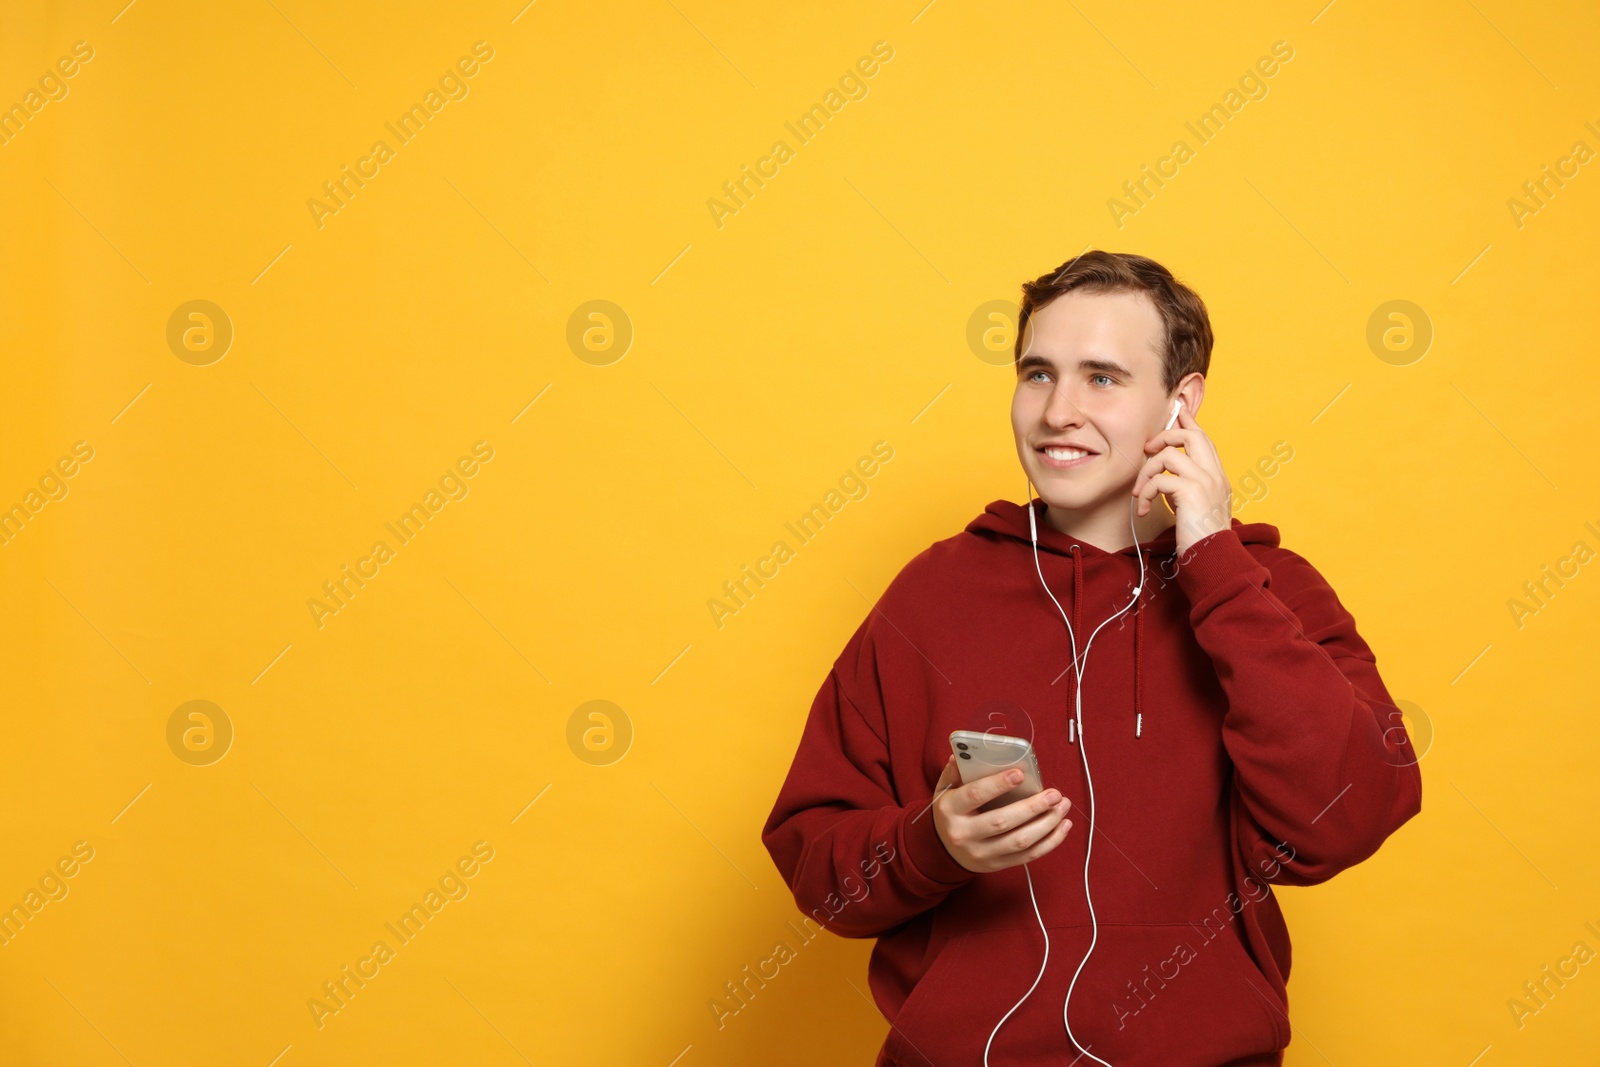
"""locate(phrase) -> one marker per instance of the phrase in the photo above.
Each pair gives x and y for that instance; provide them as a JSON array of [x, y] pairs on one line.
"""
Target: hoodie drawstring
[[1138, 625], [1138, 629], [1077, 599], [1077, 591]]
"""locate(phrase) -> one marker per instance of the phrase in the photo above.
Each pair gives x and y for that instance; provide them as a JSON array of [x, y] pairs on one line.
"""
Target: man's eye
[[1107, 377]]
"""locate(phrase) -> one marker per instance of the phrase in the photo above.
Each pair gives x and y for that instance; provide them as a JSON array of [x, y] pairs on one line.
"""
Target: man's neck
[[1107, 527]]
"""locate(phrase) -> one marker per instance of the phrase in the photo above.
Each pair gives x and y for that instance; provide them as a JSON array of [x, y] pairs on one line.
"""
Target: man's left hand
[[1192, 481]]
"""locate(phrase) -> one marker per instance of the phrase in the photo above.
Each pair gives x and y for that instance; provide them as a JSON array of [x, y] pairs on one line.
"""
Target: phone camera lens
[[965, 755], [962, 745]]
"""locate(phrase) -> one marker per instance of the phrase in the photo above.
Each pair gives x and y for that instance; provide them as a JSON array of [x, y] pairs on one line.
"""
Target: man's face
[[1089, 375]]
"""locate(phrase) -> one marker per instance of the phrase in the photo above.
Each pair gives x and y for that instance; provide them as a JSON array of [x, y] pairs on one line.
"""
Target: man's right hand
[[985, 841]]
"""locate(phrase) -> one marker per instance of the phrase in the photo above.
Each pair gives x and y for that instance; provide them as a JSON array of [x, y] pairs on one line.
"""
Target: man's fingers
[[1152, 466], [970, 798], [1173, 461], [1049, 842], [1029, 833], [1017, 813], [1187, 420], [1161, 483]]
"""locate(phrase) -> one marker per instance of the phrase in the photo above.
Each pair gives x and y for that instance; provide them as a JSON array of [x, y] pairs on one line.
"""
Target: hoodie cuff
[[925, 851], [1215, 563]]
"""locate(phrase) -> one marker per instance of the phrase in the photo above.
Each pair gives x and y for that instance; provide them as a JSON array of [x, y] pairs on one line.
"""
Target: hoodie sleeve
[[860, 854], [1322, 762]]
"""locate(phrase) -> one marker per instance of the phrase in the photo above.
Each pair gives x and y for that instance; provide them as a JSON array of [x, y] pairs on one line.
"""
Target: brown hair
[[1188, 342]]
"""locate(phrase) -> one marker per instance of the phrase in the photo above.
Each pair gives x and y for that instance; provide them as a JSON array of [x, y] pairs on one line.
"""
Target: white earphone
[[1078, 668]]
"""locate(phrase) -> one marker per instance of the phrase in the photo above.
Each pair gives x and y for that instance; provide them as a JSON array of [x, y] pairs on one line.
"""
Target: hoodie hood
[[1007, 520]]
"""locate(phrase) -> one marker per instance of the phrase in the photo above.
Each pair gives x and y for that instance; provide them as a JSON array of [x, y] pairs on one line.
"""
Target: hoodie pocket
[[1184, 990], [1149, 995]]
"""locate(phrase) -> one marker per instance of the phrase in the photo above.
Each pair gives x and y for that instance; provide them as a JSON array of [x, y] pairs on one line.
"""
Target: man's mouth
[[1064, 458]]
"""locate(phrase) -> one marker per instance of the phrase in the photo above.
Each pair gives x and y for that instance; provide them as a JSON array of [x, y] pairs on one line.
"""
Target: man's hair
[[1187, 347]]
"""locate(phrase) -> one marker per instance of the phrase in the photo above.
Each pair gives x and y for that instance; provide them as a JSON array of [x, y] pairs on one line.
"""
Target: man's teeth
[[1064, 453]]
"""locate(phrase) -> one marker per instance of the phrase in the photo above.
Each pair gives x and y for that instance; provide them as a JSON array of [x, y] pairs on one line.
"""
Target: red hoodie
[[1238, 735]]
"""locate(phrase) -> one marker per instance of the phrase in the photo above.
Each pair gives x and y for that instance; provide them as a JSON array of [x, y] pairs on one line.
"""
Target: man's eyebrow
[[1029, 362]]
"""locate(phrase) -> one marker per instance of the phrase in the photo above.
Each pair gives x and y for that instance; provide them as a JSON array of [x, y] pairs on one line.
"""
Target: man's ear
[[1191, 390]]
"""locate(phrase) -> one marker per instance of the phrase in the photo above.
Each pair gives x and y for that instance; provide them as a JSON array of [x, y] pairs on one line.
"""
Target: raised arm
[[1322, 762]]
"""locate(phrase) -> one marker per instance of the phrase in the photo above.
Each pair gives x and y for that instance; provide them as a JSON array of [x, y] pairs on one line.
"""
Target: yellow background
[[768, 354]]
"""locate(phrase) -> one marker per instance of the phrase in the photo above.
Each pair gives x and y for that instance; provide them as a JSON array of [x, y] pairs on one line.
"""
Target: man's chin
[[1069, 498], [1079, 498]]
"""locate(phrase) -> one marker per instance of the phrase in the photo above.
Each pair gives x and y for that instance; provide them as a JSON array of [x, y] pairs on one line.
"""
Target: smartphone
[[982, 754]]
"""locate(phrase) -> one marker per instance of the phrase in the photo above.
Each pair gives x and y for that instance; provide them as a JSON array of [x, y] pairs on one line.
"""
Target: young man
[[1231, 732]]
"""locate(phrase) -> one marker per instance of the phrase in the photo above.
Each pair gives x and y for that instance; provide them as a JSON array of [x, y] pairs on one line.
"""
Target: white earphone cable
[[1079, 666]]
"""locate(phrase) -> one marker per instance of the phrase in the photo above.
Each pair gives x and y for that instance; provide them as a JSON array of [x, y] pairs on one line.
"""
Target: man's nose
[[1064, 408]]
